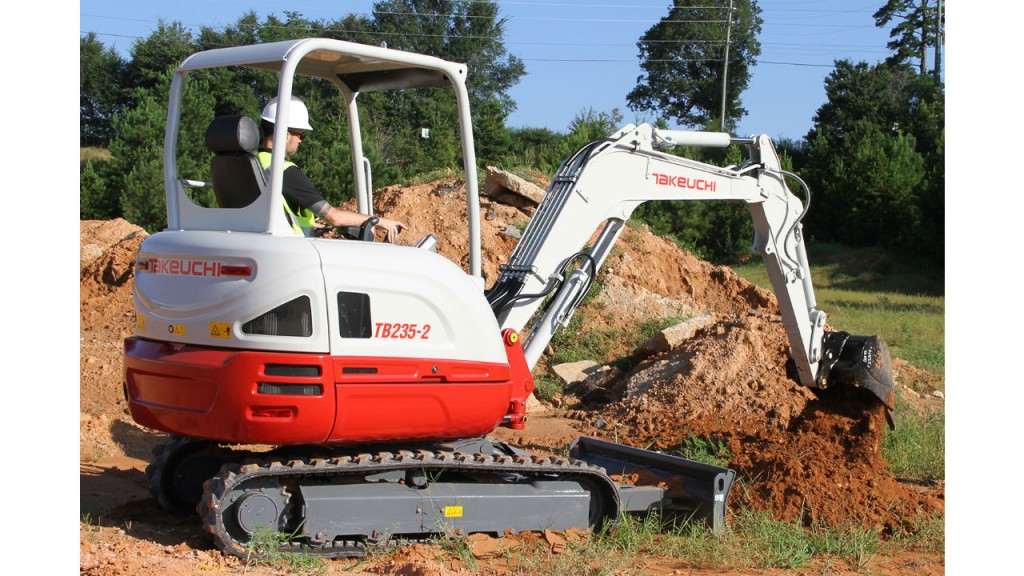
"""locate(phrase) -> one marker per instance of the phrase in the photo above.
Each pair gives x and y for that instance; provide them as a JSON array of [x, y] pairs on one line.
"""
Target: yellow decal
[[220, 330], [140, 323], [453, 511], [176, 329]]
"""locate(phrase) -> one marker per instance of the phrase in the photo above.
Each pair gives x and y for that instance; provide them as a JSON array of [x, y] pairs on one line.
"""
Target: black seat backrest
[[238, 178]]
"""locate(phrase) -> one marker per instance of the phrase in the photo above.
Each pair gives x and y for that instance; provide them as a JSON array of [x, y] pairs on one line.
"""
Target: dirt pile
[[798, 455]]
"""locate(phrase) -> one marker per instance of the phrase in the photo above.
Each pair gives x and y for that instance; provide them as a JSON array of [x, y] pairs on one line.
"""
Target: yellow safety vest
[[305, 219]]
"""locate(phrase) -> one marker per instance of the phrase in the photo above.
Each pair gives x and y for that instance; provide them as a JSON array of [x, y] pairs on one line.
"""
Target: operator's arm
[[298, 189], [338, 217]]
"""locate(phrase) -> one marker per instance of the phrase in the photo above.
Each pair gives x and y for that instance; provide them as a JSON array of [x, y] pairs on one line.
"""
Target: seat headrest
[[232, 134]]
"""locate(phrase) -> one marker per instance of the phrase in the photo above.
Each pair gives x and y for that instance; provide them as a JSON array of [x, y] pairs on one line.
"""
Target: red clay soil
[[796, 455]]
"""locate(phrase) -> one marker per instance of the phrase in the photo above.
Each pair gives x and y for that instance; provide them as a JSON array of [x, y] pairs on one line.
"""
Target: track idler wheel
[[180, 467]]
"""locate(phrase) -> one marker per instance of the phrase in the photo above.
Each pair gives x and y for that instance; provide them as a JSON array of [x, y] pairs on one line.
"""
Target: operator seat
[[238, 178]]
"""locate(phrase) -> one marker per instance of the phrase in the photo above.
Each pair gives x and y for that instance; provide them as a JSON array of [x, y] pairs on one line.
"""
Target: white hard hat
[[298, 116]]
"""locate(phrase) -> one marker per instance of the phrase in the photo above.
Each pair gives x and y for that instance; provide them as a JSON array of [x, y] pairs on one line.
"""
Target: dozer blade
[[860, 362], [690, 489]]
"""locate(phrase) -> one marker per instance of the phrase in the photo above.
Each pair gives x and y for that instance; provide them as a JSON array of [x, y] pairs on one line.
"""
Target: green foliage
[[682, 58], [96, 200], [138, 162], [917, 29], [707, 450], [100, 79], [875, 161], [873, 179]]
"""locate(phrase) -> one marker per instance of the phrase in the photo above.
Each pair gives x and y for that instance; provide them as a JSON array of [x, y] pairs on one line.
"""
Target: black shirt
[[299, 191]]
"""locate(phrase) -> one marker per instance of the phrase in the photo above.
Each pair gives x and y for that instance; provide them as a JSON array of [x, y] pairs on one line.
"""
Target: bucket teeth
[[859, 362]]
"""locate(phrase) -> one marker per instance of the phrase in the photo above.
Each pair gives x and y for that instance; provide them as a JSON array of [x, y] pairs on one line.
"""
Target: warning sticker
[[220, 330], [453, 511], [176, 329], [140, 323]]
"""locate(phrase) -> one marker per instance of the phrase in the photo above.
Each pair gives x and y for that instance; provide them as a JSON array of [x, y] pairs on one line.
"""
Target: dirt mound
[[797, 455]]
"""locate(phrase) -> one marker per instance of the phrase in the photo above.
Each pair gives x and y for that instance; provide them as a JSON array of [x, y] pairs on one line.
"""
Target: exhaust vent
[[289, 319]]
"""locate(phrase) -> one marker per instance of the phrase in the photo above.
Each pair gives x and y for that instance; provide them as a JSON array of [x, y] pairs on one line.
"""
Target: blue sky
[[581, 54]]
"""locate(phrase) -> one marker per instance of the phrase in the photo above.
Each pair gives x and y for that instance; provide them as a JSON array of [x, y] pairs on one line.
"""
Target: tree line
[[874, 157]]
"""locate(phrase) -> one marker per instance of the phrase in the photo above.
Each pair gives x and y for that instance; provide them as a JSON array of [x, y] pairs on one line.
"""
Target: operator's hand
[[393, 227]]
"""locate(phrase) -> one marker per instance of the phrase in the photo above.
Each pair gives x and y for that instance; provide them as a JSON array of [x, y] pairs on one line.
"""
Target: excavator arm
[[606, 180]]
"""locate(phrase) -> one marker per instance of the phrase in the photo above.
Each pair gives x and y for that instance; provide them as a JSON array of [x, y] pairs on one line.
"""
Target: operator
[[303, 202]]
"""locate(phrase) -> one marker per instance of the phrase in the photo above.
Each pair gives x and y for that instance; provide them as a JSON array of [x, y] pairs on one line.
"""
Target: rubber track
[[234, 475]]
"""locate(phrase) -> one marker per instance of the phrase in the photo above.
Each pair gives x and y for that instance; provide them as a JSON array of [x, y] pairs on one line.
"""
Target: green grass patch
[[775, 544], [93, 154], [917, 446]]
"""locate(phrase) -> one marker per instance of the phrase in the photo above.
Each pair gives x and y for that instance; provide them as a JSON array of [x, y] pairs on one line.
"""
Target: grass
[[265, 550], [754, 543], [92, 153], [868, 292], [917, 447]]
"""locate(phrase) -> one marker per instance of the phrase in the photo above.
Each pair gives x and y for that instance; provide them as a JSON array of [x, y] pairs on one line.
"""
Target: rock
[[673, 336], [572, 372], [500, 182], [483, 546], [535, 406]]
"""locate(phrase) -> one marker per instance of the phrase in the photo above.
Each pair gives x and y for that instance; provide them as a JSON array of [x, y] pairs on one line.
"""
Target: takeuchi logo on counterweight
[[184, 267], [684, 182]]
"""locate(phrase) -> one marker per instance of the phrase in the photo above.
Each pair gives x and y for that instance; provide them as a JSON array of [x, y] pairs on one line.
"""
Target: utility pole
[[725, 64]]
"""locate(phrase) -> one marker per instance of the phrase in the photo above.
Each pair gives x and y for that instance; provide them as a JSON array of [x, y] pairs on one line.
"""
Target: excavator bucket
[[859, 362]]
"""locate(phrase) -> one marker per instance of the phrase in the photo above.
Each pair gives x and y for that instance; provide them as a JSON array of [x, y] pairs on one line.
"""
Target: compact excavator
[[344, 391]]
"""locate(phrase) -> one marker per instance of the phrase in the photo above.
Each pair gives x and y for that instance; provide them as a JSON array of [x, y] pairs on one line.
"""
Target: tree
[[919, 27], [100, 81], [139, 147], [460, 31], [683, 61], [96, 202], [162, 50], [874, 177], [875, 159]]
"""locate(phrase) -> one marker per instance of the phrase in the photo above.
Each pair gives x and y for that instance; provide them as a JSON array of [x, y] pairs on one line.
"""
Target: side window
[[354, 315]]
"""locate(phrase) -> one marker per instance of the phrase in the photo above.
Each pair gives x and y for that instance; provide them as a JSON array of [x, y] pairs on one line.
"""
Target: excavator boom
[[606, 180]]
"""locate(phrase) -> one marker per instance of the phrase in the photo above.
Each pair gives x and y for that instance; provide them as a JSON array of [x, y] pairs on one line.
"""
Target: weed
[[707, 450], [265, 548], [455, 545]]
